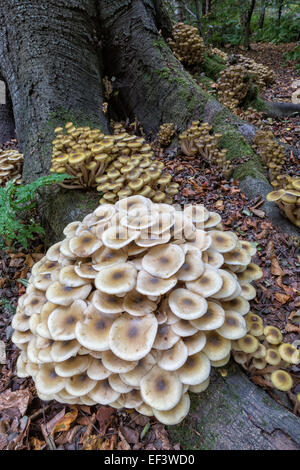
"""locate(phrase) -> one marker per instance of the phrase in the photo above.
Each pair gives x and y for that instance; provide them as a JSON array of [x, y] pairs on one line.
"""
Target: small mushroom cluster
[[219, 53], [166, 132], [288, 199], [198, 140], [134, 306], [262, 350], [262, 75], [271, 152], [233, 86], [187, 44], [11, 163], [251, 115]]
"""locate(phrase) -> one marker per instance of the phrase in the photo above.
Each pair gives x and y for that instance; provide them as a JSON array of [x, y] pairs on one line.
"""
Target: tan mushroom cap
[[151, 285], [176, 414], [138, 304], [73, 366], [237, 256], [33, 304], [248, 344], [195, 370], [196, 213], [131, 399], [132, 203], [116, 364], [118, 385], [47, 381], [134, 376], [117, 237], [79, 385], [216, 347], [239, 304], [273, 357], [183, 328], [131, 338], [165, 337], [199, 388], [103, 393], [192, 267], [107, 257], [223, 241], [93, 331], [149, 239], [200, 239], [213, 220], [260, 352], [139, 219], [221, 362], [116, 279], [186, 304], [213, 257], [43, 281], [63, 350], [163, 261], [251, 250], [282, 380], [85, 244], [240, 357], [104, 212], [85, 270], [173, 358], [161, 389], [53, 252], [234, 326], [252, 273], [195, 343], [289, 353], [20, 321], [248, 291], [107, 303], [273, 335], [62, 321], [212, 319], [59, 294], [144, 410], [70, 230], [208, 284], [97, 371], [228, 286]]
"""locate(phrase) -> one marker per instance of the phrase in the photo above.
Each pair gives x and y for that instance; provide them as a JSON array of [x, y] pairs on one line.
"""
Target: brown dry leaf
[[258, 212], [109, 444], [36, 444], [103, 416], [131, 435], [2, 281], [29, 261], [123, 444], [275, 268], [68, 437], [282, 298], [48, 427], [290, 328], [2, 353], [162, 436], [18, 399], [92, 442], [65, 422]]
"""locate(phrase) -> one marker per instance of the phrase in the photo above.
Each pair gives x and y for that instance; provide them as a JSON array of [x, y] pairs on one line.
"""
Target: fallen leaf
[[36, 444], [275, 268], [282, 298], [259, 213], [131, 435], [2, 353], [18, 399], [290, 328], [92, 442], [103, 417], [65, 422]]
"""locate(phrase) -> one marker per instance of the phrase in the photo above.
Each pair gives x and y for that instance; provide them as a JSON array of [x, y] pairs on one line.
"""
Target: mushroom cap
[[195, 370], [144, 410], [151, 285], [212, 319], [248, 291], [208, 284], [199, 239], [273, 335], [131, 399], [97, 371], [138, 304], [131, 338], [118, 385], [239, 304], [197, 213], [213, 220], [213, 257], [248, 344], [195, 343], [173, 358], [183, 328], [59, 294], [116, 364], [228, 286], [165, 337], [62, 321], [161, 389], [273, 357], [234, 326], [47, 381], [163, 261], [176, 414], [186, 304], [72, 366], [237, 256], [116, 237], [105, 257], [216, 347], [79, 385], [85, 271], [134, 376], [223, 241], [289, 353], [132, 203], [252, 273], [93, 331], [63, 350], [199, 388], [116, 279], [107, 303], [85, 244], [221, 362], [282, 380], [192, 267], [103, 393]]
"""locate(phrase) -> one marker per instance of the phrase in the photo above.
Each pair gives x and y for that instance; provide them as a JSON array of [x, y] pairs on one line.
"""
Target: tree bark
[[262, 14], [49, 57], [178, 10], [280, 6], [7, 122], [247, 24]]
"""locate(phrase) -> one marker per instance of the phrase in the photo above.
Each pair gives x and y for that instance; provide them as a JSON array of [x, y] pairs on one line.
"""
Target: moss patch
[[235, 144], [212, 67], [252, 167]]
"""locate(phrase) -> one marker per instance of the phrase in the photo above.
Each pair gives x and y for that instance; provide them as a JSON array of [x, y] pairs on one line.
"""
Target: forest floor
[[28, 423]]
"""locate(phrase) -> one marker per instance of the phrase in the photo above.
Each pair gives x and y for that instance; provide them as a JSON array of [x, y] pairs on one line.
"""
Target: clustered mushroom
[[261, 75], [198, 140], [271, 152], [134, 307], [11, 163], [118, 165], [288, 198], [263, 350], [166, 132], [187, 44], [251, 115], [219, 53], [233, 86]]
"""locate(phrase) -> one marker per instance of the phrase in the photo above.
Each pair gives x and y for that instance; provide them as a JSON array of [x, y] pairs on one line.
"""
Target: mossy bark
[[7, 121]]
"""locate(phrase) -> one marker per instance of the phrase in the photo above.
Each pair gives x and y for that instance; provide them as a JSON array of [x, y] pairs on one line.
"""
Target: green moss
[[212, 67], [164, 73], [235, 144], [252, 167]]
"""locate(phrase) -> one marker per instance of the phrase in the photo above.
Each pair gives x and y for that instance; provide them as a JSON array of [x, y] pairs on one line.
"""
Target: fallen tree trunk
[[55, 75]]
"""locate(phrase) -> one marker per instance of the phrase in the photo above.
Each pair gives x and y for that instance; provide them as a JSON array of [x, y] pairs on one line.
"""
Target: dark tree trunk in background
[[7, 122], [262, 14], [198, 16], [208, 6], [49, 57], [53, 56], [280, 6], [179, 10], [247, 24]]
